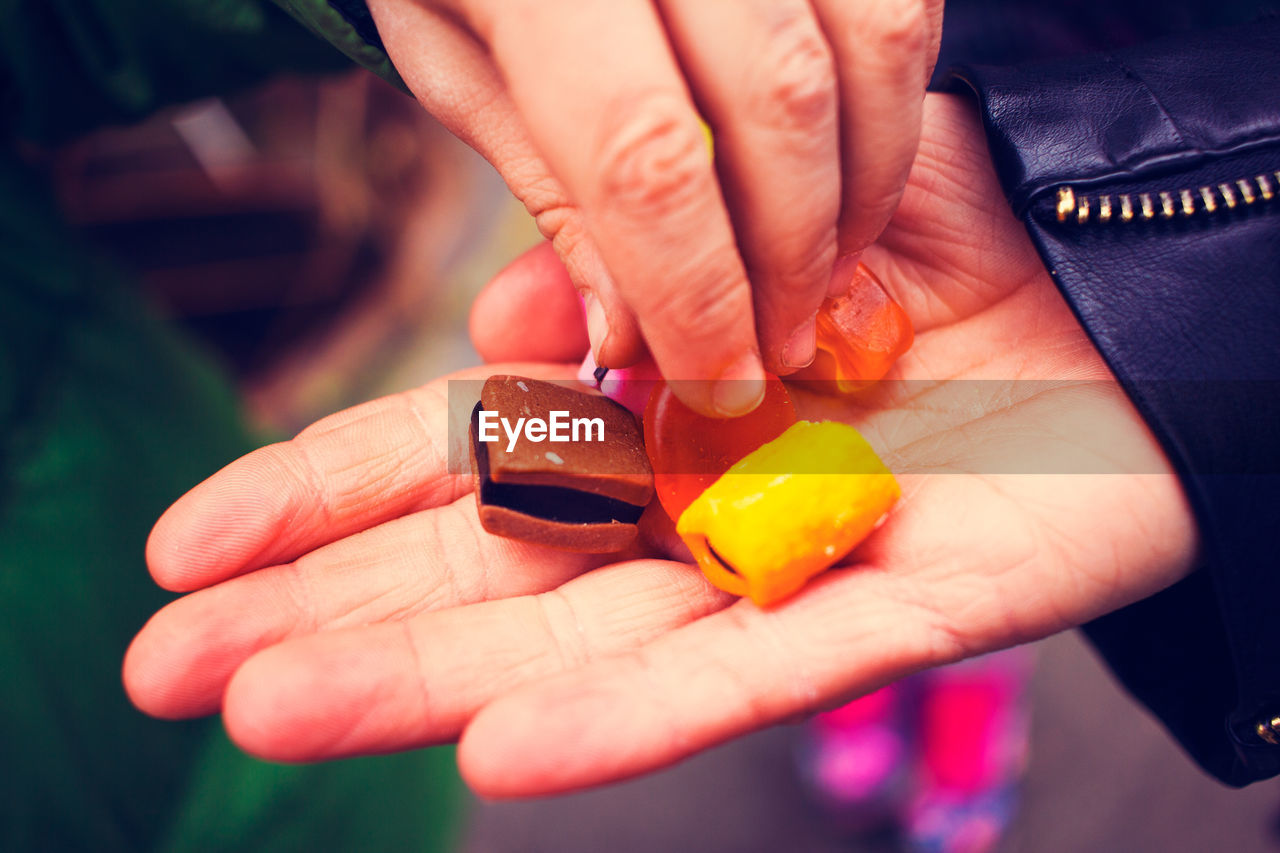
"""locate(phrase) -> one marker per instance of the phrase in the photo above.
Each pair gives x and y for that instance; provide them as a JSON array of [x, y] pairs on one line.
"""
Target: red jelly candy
[[689, 452], [860, 336]]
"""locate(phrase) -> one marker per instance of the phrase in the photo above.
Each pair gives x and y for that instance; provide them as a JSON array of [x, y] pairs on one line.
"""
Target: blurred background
[[324, 240]]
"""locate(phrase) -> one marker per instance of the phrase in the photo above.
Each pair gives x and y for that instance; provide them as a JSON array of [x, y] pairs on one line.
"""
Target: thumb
[[530, 311]]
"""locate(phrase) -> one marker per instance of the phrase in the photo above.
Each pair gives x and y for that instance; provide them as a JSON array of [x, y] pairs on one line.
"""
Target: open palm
[[347, 602]]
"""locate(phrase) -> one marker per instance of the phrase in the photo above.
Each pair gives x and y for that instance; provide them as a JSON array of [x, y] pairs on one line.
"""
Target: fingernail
[[740, 388], [801, 347], [842, 274], [597, 325], [587, 371]]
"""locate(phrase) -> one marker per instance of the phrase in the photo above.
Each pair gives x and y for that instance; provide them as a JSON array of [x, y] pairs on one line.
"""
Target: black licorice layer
[[551, 503]]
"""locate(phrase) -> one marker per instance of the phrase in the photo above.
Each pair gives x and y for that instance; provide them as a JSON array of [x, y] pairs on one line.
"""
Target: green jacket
[[106, 416]]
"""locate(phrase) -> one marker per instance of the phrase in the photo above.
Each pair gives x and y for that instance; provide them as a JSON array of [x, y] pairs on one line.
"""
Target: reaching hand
[[348, 601], [589, 110]]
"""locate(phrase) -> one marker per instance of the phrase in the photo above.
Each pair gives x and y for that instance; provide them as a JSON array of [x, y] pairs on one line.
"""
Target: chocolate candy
[[563, 468]]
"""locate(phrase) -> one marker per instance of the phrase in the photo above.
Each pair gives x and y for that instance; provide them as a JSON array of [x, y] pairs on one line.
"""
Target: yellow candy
[[789, 510]]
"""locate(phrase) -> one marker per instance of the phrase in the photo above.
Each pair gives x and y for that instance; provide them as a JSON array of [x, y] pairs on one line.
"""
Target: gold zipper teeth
[[1166, 205]]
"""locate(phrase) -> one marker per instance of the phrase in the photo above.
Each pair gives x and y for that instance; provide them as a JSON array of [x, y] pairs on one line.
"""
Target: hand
[[589, 110], [348, 602]]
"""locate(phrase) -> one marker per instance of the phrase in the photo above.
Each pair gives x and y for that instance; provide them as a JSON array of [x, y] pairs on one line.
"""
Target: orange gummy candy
[[860, 335], [689, 451]]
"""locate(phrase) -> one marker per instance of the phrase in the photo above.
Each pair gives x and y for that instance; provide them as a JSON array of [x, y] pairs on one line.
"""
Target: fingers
[[397, 686], [613, 165], [530, 312], [180, 663], [343, 474], [884, 54], [719, 677], [454, 77], [625, 141], [766, 83]]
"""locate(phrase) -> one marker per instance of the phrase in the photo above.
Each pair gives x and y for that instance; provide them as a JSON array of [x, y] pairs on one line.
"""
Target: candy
[[689, 451], [788, 510], [627, 386], [860, 336], [585, 493]]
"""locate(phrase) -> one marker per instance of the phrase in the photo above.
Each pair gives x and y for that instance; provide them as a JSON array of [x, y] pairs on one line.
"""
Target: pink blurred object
[[974, 721], [628, 386], [939, 754], [856, 761]]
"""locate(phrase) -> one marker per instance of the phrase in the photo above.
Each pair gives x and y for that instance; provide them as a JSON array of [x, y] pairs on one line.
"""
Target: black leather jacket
[[1149, 180]]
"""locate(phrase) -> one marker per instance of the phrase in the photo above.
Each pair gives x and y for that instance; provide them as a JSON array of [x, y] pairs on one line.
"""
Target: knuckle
[[867, 211], [535, 187], [565, 227], [493, 22], [294, 592], [791, 663], [573, 245], [875, 205], [310, 499], [942, 643], [562, 626], [933, 634], [704, 307], [653, 158], [795, 84], [900, 27], [803, 262], [554, 221]]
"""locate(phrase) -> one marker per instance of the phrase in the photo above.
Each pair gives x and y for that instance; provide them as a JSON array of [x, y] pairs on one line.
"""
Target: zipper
[[1128, 207]]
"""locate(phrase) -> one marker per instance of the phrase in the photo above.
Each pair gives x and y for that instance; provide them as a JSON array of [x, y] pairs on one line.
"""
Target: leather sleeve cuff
[[1168, 106], [1148, 180]]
